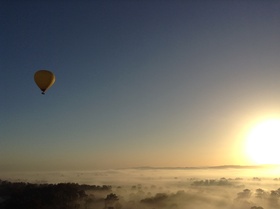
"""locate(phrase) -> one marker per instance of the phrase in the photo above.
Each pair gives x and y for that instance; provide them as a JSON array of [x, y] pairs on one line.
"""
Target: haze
[[138, 83], [227, 187]]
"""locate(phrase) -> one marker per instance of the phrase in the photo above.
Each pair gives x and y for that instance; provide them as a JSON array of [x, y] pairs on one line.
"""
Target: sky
[[165, 83]]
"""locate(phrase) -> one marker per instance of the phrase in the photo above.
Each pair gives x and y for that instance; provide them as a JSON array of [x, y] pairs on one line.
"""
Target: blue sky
[[156, 83]]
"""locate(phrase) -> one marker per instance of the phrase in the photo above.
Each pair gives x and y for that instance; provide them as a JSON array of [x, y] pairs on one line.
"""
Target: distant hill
[[211, 167]]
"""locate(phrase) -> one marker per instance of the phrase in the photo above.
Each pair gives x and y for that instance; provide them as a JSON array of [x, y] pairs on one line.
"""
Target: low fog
[[180, 188]]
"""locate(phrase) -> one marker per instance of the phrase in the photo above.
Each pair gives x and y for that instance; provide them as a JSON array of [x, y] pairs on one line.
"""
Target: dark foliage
[[256, 207], [44, 196], [157, 198], [221, 182]]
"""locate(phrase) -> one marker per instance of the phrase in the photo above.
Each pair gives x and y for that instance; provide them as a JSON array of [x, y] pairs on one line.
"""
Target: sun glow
[[263, 142]]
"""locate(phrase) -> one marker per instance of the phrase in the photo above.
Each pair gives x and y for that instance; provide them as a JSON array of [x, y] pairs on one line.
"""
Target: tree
[[110, 201], [255, 207]]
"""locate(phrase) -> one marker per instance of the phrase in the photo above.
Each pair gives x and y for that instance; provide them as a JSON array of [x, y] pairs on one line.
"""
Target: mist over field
[[175, 188]]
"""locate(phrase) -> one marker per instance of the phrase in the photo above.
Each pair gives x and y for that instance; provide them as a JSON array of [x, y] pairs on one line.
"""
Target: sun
[[263, 142]]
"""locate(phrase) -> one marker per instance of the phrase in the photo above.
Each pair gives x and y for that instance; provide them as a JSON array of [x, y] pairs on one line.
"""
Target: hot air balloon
[[44, 79]]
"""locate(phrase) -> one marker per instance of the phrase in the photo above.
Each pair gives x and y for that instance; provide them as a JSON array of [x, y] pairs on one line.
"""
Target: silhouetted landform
[[224, 193], [20, 195], [190, 200], [213, 182], [213, 167]]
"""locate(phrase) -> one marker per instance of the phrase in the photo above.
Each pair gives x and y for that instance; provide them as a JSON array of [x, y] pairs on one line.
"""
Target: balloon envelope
[[44, 79]]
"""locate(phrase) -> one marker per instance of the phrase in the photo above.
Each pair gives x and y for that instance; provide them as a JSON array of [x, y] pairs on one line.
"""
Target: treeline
[[15, 195], [221, 182]]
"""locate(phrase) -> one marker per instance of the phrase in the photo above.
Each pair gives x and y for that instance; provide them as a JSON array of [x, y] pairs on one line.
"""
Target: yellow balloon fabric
[[44, 79]]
